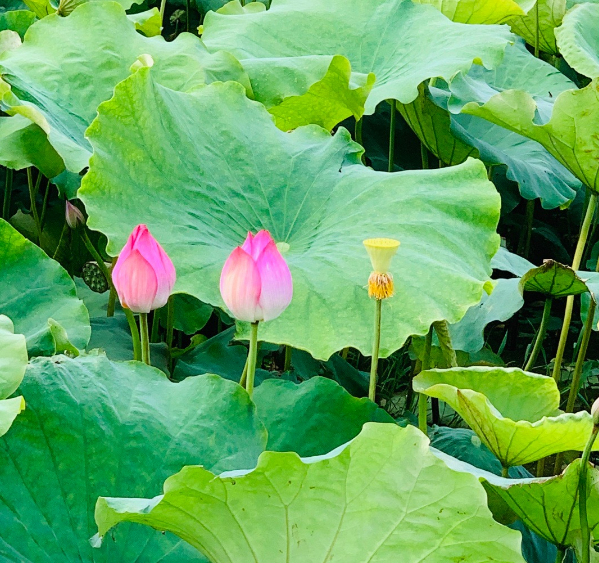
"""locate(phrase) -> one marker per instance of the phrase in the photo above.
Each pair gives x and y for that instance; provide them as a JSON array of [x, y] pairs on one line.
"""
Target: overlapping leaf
[[514, 413], [309, 189], [402, 43], [34, 289], [67, 66], [13, 361], [313, 508], [480, 11], [94, 427], [578, 40]]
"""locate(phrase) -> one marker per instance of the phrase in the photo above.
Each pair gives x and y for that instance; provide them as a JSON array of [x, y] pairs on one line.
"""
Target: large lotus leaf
[[553, 279], [329, 508], [95, 427], [310, 190], [16, 20], [505, 300], [67, 66], [13, 361], [402, 43], [507, 261], [578, 40], [24, 144], [449, 137], [547, 505], [9, 5], [514, 413], [568, 132], [314, 417], [480, 11], [35, 288]]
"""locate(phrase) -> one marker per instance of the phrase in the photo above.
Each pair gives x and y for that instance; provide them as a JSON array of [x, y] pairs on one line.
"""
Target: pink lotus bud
[[143, 275], [256, 283], [73, 216], [595, 412]]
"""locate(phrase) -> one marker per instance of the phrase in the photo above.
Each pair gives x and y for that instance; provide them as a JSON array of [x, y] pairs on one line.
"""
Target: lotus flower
[[595, 412], [256, 282], [143, 275], [73, 215]]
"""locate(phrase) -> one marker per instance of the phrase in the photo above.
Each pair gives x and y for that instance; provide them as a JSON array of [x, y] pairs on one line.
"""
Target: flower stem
[[582, 497], [96, 256], [375, 350], [170, 328], [422, 398], [392, 136], [145, 338], [134, 334], [582, 240], [540, 335], [252, 357], [112, 294], [538, 30], [526, 234], [45, 205], [424, 156], [162, 9], [7, 193]]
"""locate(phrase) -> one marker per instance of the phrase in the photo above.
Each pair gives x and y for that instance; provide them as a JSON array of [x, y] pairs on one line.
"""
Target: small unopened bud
[[73, 216], [595, 412]]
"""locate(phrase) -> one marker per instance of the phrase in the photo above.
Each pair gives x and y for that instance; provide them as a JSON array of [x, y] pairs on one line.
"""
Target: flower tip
[[381, 251], [73, 215]]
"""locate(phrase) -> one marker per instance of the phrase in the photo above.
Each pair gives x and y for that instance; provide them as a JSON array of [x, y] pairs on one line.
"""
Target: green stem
[[541, 467], [7, 193], [582, 497], [582, 352], [96, 256], [422, 398], [374, 363], [134, 334], [288, 354], [33, 189], [358, 131], [345, 352], [505, 471], [538, 31], [442, 330], [392, 136], [582, 239], [162, 9], [540, 335], [244, 373], [252, 357], [188, 15], [424, 156], [145, 338], [524, 245], [561, 552]]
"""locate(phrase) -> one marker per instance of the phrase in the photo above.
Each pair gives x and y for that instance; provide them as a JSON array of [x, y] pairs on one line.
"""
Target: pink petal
[[260, 242], [247, 243], [135, 282], [240, 286], [163, 267], [277, 284]]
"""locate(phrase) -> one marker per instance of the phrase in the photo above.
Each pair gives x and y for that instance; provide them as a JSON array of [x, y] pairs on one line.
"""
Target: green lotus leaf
[[326, 102], [510, 262], [95, 427], [567, 132], [453, 137], [480, 11], [314, 417], [41, 8], [16, 20], [309, 190], [553, 279], [149, 22], [35, 288], [68, 65], [24, 144], [547, 505], [10, 5], [13, 362], [551, 14], [514, 413], [312, 508], [505, 300], [578, 41], [366, 33]]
